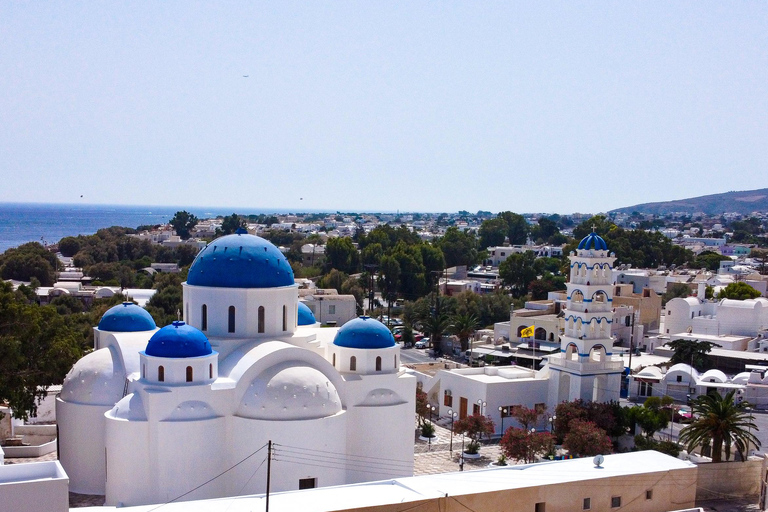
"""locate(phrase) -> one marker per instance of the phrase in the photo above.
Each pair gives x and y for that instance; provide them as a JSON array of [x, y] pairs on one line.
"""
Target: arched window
[[261, 318], [186, 313], [189, 374], [143, 371], [210, 371], [231, 319], [378, 363], [285, 318], [204, 322], [395, 358], [353, 364], [540, 334], [160, 374], [334, 359]]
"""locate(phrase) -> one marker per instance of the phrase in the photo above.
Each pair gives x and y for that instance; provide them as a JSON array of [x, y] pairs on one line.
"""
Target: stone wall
[[728, 480]]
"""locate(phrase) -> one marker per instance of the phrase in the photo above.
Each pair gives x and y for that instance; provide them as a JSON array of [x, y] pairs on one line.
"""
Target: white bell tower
[[586, 367]]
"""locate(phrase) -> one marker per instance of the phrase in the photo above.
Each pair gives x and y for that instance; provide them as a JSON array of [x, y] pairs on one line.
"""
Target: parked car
[[420, 344]]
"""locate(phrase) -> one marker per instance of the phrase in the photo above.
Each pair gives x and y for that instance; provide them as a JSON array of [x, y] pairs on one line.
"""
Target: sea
[[48, 223]]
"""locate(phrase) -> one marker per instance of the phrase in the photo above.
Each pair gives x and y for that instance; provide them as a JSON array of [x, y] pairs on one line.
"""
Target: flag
[[527, 332]]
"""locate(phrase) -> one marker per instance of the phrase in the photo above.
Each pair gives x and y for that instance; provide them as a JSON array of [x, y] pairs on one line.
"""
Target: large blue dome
[[240, 261], [306, 317], [364, 332], [178, 340], [593, 241], [126, 317]]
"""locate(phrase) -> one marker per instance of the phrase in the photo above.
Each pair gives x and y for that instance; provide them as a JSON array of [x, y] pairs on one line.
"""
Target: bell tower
[[585, 367]]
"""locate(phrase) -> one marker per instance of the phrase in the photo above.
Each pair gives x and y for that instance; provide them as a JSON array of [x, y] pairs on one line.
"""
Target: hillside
[[743, 202]]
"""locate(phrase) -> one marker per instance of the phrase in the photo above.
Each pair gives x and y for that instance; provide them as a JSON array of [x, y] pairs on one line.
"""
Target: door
[[462, 408]]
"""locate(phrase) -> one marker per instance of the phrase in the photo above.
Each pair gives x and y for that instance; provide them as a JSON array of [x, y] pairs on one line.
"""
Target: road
[[415, 356]]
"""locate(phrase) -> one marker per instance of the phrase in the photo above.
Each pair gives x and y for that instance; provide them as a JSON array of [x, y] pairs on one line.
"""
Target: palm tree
[[434, 326], [464, 326], [723, 422]]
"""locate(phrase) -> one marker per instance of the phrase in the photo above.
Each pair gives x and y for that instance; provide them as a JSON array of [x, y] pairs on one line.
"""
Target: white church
[[186, 411]]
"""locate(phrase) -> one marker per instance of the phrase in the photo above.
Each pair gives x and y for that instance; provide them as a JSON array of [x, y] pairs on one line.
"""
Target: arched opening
[[231, 326], [378, 363], [189, 374], [186, 313], [599, 389], [583, 269], [395, 358], [599, 296], [564, 387], [577, 297], [143, 371], [572, 352], [334, 359], [520, 330], [160, 374], [204, 318], [285, 318], [210, 371], [597, 354], [551, 336], [353, 364], [540, 334], [261, 319]]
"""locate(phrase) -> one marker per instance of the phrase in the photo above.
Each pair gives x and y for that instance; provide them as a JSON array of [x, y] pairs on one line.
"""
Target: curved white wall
[[81, 445]]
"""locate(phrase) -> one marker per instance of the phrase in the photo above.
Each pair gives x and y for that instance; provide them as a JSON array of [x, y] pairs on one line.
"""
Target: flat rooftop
[[413, 489]]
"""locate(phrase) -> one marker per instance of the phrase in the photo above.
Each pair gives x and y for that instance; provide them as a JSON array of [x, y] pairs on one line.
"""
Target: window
[[447, 398], [540, 408], [285, 318], [615, 501], [475, 409], [307, 483], [540, 507], [160, 374], [378, 363], [144, 371], [204, 322], [627, 320], [587, 505], [395, 358], [261, 319], [332, 309], [649, 494], [189, 374], [231, 327], [210, 371], [353, 364], [334, 360], [679, 378]]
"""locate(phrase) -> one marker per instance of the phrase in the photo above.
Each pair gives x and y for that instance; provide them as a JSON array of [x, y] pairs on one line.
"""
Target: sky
[[556, 107]]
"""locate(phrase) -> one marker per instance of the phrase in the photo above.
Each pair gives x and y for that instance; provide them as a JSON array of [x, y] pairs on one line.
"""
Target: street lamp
[[529, 456], [502, 413], [551, 420], [431, 410], [452, 415], [461, 459], [481, 405]]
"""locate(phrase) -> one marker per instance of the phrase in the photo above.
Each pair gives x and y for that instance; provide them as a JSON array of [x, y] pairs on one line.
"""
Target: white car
[[420, 344]]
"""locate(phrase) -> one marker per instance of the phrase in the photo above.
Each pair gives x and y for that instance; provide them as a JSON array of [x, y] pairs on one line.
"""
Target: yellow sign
[[527, 332]]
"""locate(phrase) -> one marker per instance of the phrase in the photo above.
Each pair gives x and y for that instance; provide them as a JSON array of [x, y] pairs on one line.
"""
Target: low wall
[[35, 487], [728, 479]]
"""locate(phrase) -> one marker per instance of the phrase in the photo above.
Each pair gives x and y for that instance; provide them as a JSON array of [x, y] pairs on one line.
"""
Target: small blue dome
[[127, 317], [240, 261], [364, 332], [306, 317], [596, 241], [178, 340]]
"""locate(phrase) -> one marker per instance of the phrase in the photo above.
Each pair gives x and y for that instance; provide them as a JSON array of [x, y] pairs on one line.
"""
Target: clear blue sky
[[425, 106]]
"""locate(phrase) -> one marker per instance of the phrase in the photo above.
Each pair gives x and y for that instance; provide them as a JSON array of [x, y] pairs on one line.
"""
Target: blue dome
[[240, 261], [595, 241], [364, 332], [306, 317], [178, 340], [126, 317]]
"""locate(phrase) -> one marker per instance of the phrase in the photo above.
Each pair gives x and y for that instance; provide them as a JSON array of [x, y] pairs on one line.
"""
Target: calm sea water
[[32, 222]]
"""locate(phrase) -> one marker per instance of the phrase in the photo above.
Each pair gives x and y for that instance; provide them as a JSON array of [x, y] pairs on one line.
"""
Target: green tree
[[37, 348], [709, 260], [231, 224], [389, 279], [675, 290], [761, 257], [721, 422], [517, 227], [165, 306], [69, 245], [475, 427], [493, 232], [183, 222], [464, 326], [518, 271], [738, 291], [692, 352], [459, 248], [341, 254], [25, 266], [333, 280]]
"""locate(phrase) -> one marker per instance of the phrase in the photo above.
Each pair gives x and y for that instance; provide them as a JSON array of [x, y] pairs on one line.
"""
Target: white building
[[156, 414], [695, 315]]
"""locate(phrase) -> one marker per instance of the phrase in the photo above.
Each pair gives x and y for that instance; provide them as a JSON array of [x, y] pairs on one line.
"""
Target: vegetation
[[585, 439], [738, 291], [692, 352], [722, 424], [475, 427], [653, 416], [522, 444], [183, 222]]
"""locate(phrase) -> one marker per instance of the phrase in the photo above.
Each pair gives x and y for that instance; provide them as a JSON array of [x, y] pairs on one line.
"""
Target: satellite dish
[[598, 460], [689, 330]]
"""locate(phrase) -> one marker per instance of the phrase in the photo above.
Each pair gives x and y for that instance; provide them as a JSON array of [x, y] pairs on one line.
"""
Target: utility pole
[[269, 469]]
